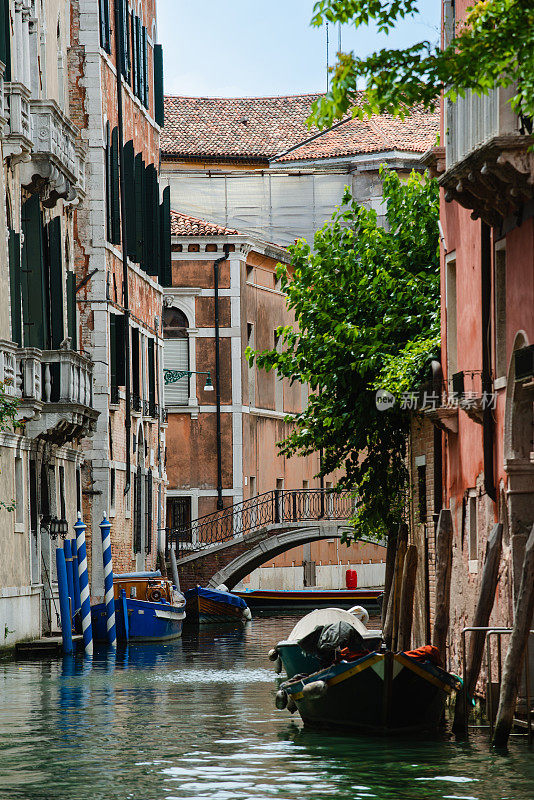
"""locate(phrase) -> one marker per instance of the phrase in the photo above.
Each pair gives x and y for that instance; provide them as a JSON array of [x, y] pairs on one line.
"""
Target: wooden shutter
[[120, 334], [151, 204], [72, 320], [135, 363], [124, 39], [115, 189], [129, 191], [139, 208], [144, 97], [137, 522], [15, 287], [159, 112], [5, 38], [114, 386], [139, 60], [148, 506], [165, 274], [151, 378], [105, 42], [56, 283], [107, 175], [34, 288], [176, 357]]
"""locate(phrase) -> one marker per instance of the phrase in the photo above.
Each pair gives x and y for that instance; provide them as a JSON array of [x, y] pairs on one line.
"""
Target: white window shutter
[[176, 356]]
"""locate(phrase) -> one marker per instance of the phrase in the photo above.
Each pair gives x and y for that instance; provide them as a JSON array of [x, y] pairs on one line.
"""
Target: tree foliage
[[361, 296], [494, 46]]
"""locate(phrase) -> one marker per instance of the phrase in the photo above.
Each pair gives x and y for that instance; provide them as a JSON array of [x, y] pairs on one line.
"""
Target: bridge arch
[[230, 562]]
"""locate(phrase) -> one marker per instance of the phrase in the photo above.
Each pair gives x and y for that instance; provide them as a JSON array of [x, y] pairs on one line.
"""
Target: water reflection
[[196, 719]]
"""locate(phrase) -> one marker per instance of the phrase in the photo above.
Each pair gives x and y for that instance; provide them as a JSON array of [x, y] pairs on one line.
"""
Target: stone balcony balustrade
[[54, 389]]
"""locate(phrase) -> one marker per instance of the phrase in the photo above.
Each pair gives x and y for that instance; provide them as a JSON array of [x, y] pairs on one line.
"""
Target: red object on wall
[[351, 579]]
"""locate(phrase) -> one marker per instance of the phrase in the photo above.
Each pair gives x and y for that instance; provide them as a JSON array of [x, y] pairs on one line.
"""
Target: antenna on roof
[[327, 75]]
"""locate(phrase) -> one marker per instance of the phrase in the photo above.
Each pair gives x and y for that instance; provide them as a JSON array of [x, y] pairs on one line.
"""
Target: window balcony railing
[[18, 138]]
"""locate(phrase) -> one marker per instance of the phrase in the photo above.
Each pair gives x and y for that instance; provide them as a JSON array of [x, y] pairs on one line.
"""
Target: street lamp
[[173, 375], [56, 527]]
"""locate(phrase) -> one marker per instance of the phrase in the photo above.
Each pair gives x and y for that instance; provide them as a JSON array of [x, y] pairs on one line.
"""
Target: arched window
[[176, 356]]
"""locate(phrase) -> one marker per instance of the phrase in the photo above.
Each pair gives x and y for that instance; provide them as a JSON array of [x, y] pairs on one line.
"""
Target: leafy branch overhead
[[366, 304], [493, 47]]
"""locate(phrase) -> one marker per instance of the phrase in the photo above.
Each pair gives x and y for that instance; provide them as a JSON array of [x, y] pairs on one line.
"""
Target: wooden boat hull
[[311, 598], [210, 606], [381, 693], [147, 622]]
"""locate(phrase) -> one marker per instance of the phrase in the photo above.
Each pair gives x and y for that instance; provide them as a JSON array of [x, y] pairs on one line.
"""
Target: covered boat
[[300, 652], [283, 599], [153, 607], [375, 692], [215, 606]]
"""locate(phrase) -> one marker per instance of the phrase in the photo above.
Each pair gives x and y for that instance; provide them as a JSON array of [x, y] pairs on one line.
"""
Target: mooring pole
[[443, 582], [70, 577], [85, 600], [109, 599], [64, 608]]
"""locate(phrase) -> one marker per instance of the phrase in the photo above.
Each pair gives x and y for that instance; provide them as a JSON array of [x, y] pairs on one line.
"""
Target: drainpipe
[[126, 299], [488, 425], [216, 263]]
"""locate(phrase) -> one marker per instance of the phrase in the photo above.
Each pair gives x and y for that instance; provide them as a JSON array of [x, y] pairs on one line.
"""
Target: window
[[62, 504], [138, 510], [501, 365], [159, 113], [136, 374], [251, 369], [117, 347], [20, 498], [112, 492], [451, 306], [151, 378], [113, 221], [105, 39], [124, 39], [178, 513], [279, 381], [252, 486], [148, 511], [473, 527], [421, 492], [78, 491], [250, 274], [5, 39], [175, 356], [15, 286]]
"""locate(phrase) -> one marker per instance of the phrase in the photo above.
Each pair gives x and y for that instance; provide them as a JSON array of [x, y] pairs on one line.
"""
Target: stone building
[[246, 173], [484, 441], [43, 364], [122, 254]]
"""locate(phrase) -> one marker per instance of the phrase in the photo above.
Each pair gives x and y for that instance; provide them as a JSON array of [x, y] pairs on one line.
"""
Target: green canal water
[[196, 719]]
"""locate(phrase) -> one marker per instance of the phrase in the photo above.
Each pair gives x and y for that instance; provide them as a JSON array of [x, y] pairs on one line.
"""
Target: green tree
[[366, 305], [494, 46]]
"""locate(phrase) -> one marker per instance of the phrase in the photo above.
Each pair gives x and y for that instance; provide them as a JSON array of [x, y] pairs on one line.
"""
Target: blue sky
[[226, 48]]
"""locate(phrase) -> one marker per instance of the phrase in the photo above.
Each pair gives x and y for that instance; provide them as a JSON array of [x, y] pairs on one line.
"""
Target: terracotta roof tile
[[186, 225], [259, 128]]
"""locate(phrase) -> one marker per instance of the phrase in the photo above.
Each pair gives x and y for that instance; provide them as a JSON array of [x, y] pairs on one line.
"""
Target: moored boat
[[153, 607], [282, 599], [215, 606], [377, 692]]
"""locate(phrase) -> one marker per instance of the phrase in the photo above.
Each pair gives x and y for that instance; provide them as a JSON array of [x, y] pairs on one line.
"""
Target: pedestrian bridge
[[225, 546]]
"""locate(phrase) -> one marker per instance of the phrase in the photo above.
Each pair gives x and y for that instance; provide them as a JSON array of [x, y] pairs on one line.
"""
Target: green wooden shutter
[[5, 38], [105, 42], [148, 501], [129, 191], [15, 286], [135, 363], [115, 189], [55, 277], [145, 95], [137, 88], [124, 39], [165, 246], [120, 333], [72, 320], [34, 288], [151, 378], [152, 203], [139, 208], [114, 386], [159, 112], [107, 175], [156, 214], [137, 521]]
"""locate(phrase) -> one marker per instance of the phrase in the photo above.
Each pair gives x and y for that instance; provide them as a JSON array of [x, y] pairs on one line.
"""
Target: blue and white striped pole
[[85, 599], [109, 600], [70, 577], [76, 577], [63, 591]]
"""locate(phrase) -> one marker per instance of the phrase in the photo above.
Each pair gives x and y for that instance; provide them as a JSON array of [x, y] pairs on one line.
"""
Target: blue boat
[[154, 608], [215, 606]]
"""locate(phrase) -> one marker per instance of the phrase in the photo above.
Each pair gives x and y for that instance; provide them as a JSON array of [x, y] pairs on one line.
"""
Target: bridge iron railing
[[277, 506]]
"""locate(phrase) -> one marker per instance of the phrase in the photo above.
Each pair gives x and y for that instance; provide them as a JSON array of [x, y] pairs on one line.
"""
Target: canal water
[[196, 719]]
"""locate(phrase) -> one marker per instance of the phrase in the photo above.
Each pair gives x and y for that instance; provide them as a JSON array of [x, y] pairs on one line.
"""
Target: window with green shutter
[[105, 39], [151, 215], [5, 38], [33, 278], [151, 378], [129, 191], [165, 274], [107, 176], [72, 319], [139, 208], [137, 88], [55, 282], [117, 348], [159, 113], [145, 94], [15, 287], [115, 189], [124, 39]]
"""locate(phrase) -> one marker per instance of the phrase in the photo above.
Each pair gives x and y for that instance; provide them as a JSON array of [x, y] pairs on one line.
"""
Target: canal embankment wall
[[328, 576]]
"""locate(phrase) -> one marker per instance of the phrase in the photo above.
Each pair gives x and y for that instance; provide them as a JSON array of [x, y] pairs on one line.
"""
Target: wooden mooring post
[[390, 569], [404, 638], [443, 581], [488, 587], [515, 655], [391, 625]]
